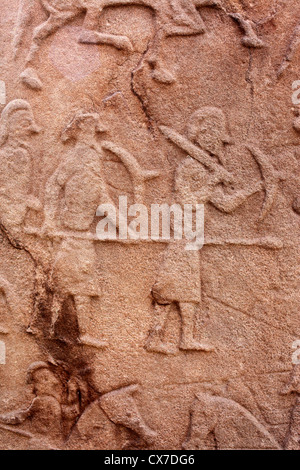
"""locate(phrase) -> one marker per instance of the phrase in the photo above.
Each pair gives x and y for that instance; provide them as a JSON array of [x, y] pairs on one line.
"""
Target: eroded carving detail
[[45, 413], [58, 413], [117, 423], [221, 424], [173, 18], [291, 51]]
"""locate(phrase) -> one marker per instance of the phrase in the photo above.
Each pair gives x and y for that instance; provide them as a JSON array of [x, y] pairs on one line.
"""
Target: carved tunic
[[14, 184], [84, 189], [180, 276], [74, 269]]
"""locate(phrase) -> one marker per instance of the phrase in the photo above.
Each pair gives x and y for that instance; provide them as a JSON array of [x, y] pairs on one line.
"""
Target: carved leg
[[188, 343], [250, 39], [55, 310], [155, 341], [90, 35], [119, 42], [159, 72], [86, 323], [30, 77]]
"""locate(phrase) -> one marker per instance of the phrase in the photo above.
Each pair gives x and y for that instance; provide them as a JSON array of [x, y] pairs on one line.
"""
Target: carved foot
[[196, 346], [32, 330], [158, 346], [3, 330], [88, 340], [93, 37], [252, 42], [250, 39], [163, 76], [31, 79]]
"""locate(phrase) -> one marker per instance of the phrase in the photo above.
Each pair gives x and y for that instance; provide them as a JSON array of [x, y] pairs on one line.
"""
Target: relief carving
[[109, 366], [221, 424], [72, 196], [17, 128], [117, 420], [172, 18], [57, 415], [200, 179]]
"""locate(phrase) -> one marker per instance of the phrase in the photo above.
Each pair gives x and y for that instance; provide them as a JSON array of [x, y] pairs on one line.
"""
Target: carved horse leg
[[250, 38], [41, 33], [167, 26], [159, 72], [90, 35]]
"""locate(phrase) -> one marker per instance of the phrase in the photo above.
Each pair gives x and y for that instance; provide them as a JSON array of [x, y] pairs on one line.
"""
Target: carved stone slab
[[138, 340]]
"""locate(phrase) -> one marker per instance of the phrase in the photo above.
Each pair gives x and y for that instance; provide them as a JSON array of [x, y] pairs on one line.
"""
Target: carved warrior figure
[[79, 178], [200, 179], [173, 18], [221, 424], [45, 412], [59, 405], [80, 181], [17, 126]]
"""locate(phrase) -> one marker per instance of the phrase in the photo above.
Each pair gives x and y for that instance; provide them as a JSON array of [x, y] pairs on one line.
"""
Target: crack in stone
[[38, 269]]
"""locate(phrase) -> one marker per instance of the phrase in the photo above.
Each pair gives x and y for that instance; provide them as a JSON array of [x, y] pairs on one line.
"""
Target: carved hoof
[[195, 346], [253, 42], [88, 340], [123, 43], [31, 79], [163, 76], [3, 330]]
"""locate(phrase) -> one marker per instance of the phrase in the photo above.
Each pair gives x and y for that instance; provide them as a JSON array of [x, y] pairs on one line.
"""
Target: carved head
[[44, 381], [17, 121], [83, 125], [208, 129]]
